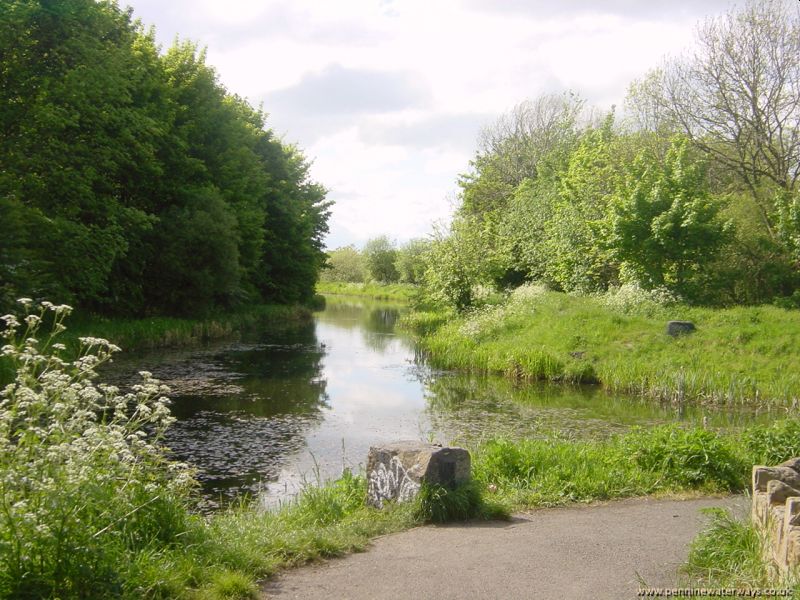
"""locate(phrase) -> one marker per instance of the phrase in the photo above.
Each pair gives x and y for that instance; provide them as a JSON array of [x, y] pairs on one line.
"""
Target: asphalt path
[[604, 551]]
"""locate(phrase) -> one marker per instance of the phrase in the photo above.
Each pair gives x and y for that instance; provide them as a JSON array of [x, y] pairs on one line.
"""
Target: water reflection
[[268, 414]]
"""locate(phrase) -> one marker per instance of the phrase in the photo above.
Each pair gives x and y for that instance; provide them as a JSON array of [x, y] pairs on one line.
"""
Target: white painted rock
[[396, 471]]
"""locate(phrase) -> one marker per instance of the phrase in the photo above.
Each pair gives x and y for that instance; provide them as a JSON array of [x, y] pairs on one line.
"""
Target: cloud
[[458, 131], [337, 90], [627, 8]]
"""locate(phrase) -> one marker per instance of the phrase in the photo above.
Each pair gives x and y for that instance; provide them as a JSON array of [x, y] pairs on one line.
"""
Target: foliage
[[664, 226], [686, 458], [379, 291], [380, 255], [771, 444], [729, 553], [85, 481], [411, 261], [578, 257], [156, 189], [345, 264], [439, 504], [459, 262]]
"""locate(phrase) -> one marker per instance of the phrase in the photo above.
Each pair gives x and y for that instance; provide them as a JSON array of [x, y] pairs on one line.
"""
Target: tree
[[345, 264], [578, 258], [458, 262], [664, 225], [737, 97], [532, 140], [411, 262], [380, 255]]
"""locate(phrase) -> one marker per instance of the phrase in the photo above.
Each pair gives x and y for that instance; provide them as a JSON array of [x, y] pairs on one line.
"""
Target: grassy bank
[[661, 460], [163, 332], [379, 291], [737, 355]]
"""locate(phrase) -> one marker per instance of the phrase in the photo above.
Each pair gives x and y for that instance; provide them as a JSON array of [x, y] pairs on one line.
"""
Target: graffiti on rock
[[392, 483]]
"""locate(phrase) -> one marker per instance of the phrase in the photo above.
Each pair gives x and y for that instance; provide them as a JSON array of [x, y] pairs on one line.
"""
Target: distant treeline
[[132, 182], [693, 193]]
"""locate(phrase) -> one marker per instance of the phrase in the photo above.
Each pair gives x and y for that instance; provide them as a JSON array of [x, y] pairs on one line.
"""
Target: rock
[[792, 463], [778, 492], [763, 475], [676, 328], [396, 471]]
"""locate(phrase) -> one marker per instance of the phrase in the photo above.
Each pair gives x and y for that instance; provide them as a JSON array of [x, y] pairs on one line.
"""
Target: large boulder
[[397, 471]]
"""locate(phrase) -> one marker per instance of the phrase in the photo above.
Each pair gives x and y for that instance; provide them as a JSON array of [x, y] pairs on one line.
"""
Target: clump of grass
[[730, 554], [738, 355], [439, 504], [661, 460]]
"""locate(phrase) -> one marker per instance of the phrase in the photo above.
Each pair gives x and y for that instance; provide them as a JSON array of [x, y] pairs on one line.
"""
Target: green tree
[[345, 264], [411, 260], [380, 255], [458, 262], [664, 224], [578, 258]]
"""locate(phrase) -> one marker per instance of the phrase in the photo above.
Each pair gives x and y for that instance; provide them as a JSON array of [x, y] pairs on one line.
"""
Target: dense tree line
[[132, 182], [694, 192]]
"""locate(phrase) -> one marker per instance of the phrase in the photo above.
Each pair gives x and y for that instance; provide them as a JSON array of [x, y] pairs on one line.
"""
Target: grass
[[729, 554], [162, 332], [741, 355], [379, 291], [662, 460], [225, 555], [331, 520]]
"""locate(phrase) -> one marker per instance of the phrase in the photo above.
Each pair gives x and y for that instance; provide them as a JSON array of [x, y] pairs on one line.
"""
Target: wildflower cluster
[[83, 476], [632, 299], [486, 320]]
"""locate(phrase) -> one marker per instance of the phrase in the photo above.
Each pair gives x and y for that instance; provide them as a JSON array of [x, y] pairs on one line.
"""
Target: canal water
[[266, 416]]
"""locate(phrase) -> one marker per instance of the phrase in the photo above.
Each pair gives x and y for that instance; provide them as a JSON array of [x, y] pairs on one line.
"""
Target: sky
[[387, 97]]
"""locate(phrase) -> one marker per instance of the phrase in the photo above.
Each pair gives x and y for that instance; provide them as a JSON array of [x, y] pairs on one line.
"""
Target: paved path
[[596, 552]]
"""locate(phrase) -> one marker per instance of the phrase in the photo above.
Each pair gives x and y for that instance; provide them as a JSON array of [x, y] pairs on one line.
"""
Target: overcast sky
[[387, 96]]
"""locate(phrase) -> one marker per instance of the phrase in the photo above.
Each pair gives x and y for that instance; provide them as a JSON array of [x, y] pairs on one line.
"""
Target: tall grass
[[666, 459], [163, 332], [729, 553], [744, 355], [379, 291]]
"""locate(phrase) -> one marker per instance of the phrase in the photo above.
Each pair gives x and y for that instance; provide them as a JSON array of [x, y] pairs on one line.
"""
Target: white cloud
[[387, 96]]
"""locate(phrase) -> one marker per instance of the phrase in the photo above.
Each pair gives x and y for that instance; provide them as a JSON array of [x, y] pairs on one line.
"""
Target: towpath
[[604, 551]]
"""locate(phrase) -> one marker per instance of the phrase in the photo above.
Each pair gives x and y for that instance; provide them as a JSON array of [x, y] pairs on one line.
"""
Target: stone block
[[792, 463], [779, 492], [763, 475], [676, 328], [397, 471]]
